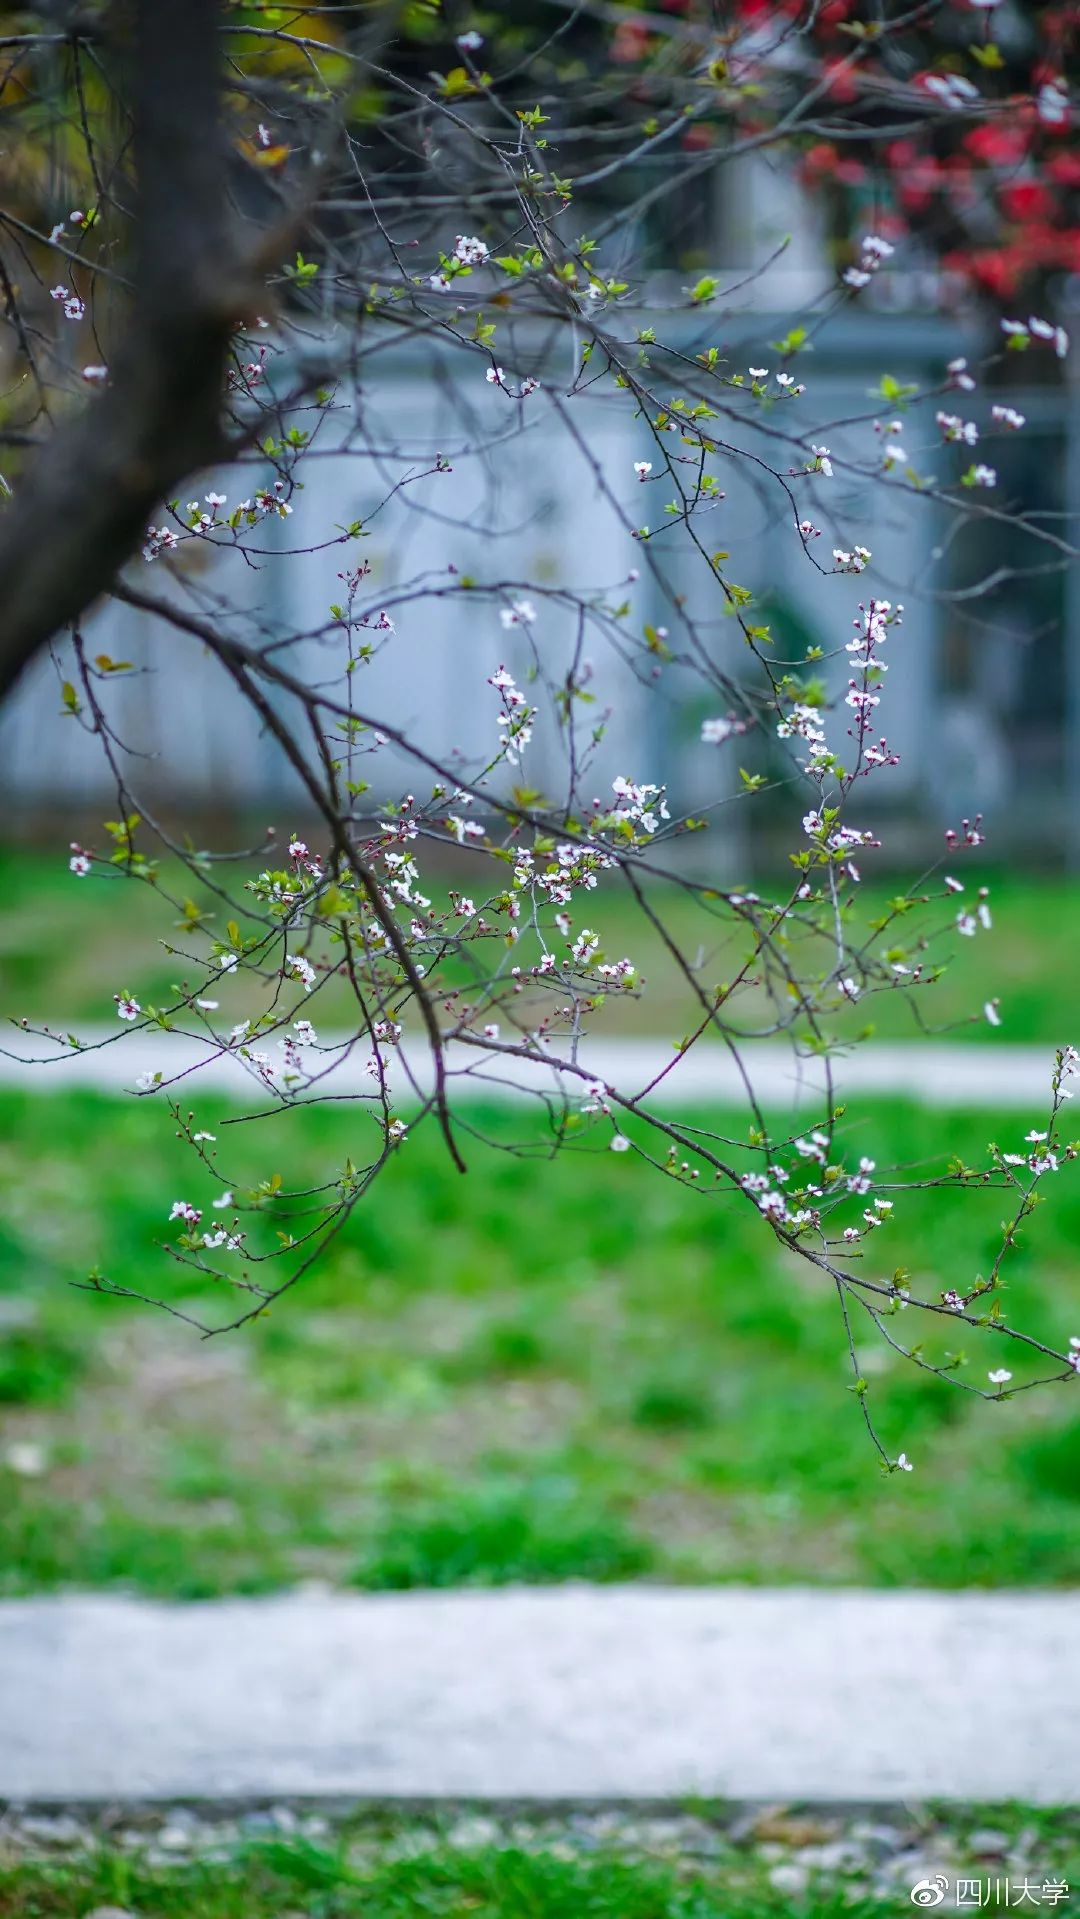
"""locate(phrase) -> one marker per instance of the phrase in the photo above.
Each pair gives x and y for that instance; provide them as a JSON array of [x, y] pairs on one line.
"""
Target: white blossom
[[301, 969], [469, 250], [715, 732], [519, 613], [1052, 103]]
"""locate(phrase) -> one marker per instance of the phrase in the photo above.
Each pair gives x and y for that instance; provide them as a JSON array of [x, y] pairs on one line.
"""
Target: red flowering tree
[[962, 136]]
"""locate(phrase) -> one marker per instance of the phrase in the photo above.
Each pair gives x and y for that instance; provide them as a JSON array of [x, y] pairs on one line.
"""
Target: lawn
[[67, 946], [486, 1885], [693, 1864], [576, 1369]]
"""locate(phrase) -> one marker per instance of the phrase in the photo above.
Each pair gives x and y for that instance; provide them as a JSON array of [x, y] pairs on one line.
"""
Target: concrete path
[[567, 1694], [990, 1075]]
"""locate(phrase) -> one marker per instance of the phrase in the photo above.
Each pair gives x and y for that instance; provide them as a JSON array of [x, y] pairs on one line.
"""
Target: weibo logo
[[930, 1892]]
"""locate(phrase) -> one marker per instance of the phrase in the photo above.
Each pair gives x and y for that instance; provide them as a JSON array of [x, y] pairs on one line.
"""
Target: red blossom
[[841, 81], [1027, 200], [996, 144]]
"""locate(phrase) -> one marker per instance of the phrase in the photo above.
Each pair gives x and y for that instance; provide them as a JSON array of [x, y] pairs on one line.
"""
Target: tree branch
[[83, 504]]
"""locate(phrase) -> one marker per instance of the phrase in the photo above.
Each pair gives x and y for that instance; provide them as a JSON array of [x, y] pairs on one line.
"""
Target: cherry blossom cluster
[[74, 308], [515, 717], [873, 253], [639, 805]]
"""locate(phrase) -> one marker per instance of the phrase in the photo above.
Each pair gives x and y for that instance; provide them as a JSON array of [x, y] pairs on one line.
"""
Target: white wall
[[531, 513]]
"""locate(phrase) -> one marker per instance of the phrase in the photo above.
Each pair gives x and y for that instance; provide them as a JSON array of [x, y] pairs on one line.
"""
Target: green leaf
[[458, 83], [892, 390], [302, 271], [791, 342], [334, 901]]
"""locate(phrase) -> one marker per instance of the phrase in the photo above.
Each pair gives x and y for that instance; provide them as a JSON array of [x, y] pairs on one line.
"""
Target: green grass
[[539, 1530], [385, 1867], [37, 1366], [485, 1885], [67, 945], [540, 1371]]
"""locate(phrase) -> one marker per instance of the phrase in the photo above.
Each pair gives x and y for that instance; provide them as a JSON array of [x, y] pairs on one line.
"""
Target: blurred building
[[983, 702]]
